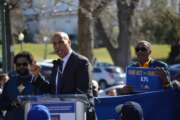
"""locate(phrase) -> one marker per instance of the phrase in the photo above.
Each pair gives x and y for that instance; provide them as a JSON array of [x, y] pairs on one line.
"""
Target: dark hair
[[130, 110], [24, 54], [3, 75], [148, 44]]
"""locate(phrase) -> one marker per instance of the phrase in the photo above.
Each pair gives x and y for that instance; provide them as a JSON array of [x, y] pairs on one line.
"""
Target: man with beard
[[20, 83]]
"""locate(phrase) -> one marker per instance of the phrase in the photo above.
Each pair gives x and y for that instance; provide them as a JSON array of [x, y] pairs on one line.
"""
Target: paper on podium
[[143, 79]]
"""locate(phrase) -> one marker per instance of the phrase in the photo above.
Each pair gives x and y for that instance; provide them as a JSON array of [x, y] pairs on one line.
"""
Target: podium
[[61, 107]]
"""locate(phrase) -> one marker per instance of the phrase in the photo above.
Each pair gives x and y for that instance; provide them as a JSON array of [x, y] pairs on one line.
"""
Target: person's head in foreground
[[130, 111], [95, 88], [38, 112], [23, 61]]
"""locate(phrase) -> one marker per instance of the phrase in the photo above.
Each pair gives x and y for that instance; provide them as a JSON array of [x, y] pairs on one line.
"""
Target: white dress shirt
[[65, 59]]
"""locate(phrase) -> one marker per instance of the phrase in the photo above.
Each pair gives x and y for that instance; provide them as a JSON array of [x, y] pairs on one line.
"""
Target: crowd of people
[[71, 74]]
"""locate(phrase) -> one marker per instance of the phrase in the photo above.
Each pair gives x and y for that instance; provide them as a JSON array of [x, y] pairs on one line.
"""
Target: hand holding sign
[[161, 72], [143, 79], [35, 69]]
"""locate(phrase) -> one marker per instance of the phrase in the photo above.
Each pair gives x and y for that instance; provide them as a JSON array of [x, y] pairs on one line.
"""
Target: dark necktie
[[60, 65], [59, 75]]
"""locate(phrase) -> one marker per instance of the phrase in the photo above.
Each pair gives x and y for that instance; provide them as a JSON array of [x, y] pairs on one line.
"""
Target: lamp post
[[45, 39], [7, 52], [21, 38]]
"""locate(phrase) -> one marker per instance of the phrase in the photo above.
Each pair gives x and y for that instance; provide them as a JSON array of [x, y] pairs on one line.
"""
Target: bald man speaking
[[71, 73]]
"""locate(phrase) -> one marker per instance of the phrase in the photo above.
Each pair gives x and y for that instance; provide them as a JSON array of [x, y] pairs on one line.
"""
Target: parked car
[[108, 76], [46, 68], [175, 71], [102, 64]]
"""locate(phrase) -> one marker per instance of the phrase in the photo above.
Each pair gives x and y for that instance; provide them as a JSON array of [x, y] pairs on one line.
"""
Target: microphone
[[90, 103], [87, 101]]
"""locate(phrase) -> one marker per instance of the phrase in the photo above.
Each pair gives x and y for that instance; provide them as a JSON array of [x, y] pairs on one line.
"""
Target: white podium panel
[[67, 108]]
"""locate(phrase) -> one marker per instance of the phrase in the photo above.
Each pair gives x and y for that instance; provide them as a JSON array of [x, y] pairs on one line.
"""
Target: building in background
[[175, 4], [43, 17]]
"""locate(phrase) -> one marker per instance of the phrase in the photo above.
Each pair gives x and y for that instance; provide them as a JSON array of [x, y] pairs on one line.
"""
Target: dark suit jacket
[[76, 77]]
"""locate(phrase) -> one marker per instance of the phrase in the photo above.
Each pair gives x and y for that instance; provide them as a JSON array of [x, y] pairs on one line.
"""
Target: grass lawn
[[158, 52]]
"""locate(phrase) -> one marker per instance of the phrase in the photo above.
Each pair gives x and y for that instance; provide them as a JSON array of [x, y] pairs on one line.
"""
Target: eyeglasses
[[142, 49], [23, 64]]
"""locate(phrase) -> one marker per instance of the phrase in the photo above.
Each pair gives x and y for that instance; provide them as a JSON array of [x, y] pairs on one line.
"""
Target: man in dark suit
[[71, 74], [73, 69], [75, 74]]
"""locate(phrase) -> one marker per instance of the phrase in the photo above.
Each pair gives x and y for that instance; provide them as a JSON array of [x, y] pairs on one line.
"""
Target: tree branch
[[102, 5]]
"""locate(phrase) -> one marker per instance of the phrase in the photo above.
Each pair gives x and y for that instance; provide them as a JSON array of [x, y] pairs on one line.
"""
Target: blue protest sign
[[143, 79]]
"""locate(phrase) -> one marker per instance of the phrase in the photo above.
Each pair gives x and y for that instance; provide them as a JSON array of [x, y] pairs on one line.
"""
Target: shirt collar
[[146, 64], [65, 59]]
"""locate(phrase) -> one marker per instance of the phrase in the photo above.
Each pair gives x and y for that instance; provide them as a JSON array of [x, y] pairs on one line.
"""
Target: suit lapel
[[67, 68], [68, 64]]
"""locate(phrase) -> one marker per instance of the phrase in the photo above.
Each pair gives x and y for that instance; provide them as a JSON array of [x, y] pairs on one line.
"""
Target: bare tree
[[120, 52], [125, 13], [85, 34], [88, 10]]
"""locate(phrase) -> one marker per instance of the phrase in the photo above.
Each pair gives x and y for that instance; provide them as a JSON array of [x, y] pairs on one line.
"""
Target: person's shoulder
[[12, 80], [80, 57], [12, 75], [158, 63], [133, 64]]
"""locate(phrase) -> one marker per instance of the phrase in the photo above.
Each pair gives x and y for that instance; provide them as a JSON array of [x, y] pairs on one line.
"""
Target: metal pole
[[9, 39], [21, 38], [4, 52], [45, 38], [6, 37], [45, 50], [21, 45]]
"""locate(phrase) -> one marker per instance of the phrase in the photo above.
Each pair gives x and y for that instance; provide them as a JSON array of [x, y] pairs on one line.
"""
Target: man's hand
[[35, 69], [162, 73], [127, 90], [176, 84]]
